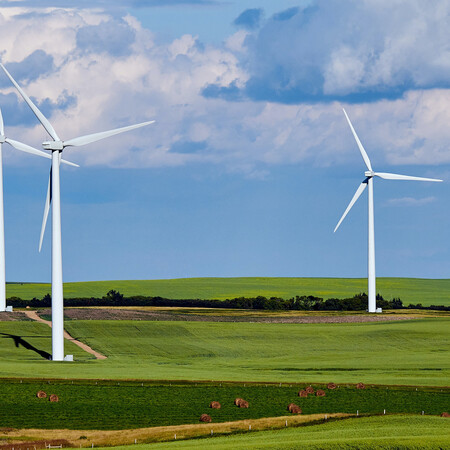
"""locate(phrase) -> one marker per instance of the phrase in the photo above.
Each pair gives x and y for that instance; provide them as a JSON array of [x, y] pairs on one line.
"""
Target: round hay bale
[[237, 401], [205, 418], [41, 394], [54, 398], [445, 414], [360, 386], [243, 404], [290, 406], [215, 405], [310, 390], [302, 393], [331, 386], [320, 393], [296, 410]]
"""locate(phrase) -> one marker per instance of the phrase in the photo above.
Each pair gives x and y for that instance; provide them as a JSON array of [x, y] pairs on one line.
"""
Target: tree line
[[300, 303]]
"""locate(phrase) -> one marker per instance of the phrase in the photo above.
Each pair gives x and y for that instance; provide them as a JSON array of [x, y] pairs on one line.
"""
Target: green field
[[410, 290], [109, 406], [413, 352], [388, 432]]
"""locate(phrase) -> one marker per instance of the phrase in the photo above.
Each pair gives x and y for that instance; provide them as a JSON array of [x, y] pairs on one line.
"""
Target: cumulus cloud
[[90, 71], [349, 51]]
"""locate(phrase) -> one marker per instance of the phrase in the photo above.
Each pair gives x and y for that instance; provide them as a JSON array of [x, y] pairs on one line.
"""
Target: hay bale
[[360, 386], [296, 410], [302, 393], [41, 394], [205, 418], [320, 393], [215, 405], [445, 414], [310, 390], [291, 406], [243, 404], [331, 386], [237, 401], [54, 398]]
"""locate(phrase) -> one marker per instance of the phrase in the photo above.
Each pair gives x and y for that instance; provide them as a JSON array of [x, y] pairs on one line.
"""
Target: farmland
[[413, 352], [108, 405], [164, 373], [410, 290], [400, 432]]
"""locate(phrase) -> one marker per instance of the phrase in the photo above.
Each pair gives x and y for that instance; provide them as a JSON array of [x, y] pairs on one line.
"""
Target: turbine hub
[[369, 173], [53, 145], [2, 138]]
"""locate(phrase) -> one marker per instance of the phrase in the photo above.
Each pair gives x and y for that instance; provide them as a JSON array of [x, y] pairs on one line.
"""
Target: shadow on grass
[[19, 341]]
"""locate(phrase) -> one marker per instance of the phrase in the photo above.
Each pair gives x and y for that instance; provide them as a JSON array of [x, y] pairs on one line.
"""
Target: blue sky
[[251, 162]]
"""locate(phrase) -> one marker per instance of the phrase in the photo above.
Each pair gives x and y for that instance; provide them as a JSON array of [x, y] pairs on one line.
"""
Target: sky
[[250, 163]]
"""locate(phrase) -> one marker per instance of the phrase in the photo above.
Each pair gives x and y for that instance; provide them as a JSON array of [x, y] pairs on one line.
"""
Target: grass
[[410, 290], [115, 406], [408, 352], [388, 432]]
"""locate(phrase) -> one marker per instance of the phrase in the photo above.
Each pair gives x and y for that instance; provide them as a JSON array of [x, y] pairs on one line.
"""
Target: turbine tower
[[24, 148], [56, 145], [368, 182]]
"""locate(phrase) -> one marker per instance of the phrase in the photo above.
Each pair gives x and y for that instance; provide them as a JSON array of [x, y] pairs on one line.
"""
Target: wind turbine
[[56, 145], [24, 148], [368, 181]]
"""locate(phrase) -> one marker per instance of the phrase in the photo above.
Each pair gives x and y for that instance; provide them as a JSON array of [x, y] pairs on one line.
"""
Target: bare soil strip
[[34, 316], [85, 438], [190, 315]]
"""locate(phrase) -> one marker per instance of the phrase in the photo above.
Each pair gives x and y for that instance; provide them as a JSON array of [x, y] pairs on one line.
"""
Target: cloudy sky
[[250, 163]]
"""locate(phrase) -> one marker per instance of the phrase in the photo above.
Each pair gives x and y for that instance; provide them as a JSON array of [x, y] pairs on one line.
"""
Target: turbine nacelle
[[53, 145], [369, 173]]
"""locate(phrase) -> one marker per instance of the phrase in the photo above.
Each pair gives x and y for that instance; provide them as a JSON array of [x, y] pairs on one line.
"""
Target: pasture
[[111, 405], [410, 290], [411, 352]]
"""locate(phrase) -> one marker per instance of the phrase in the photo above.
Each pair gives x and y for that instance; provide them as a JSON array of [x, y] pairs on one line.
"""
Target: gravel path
[[34, 316]]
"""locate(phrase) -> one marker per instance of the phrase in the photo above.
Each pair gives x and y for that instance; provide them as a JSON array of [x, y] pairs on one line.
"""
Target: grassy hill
[[410, 290], [413, 352], [388, 432]]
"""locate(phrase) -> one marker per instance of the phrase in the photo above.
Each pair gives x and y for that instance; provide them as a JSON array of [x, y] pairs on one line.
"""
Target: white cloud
[[410, 201], [165, 81]]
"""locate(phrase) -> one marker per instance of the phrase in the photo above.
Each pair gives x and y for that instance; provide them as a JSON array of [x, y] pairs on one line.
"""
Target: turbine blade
[[360, 146], [2, 128], [395, 176], [68, 163], [46, 209], [358, 192], [83, 140], [45, 123], [26, 148]]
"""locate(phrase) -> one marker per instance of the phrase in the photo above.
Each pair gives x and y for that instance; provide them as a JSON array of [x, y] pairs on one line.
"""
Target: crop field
[[411, 352], [410, 290], [386, 432], [111, 405]]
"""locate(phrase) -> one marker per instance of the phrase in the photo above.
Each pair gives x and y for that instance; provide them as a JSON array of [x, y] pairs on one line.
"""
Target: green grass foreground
[[411, 352], [109, 406], [386, 432], [410, 290]]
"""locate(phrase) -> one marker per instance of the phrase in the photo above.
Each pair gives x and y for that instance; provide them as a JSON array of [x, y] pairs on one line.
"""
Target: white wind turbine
[[24, 148], [368, 181], [56, 145]]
